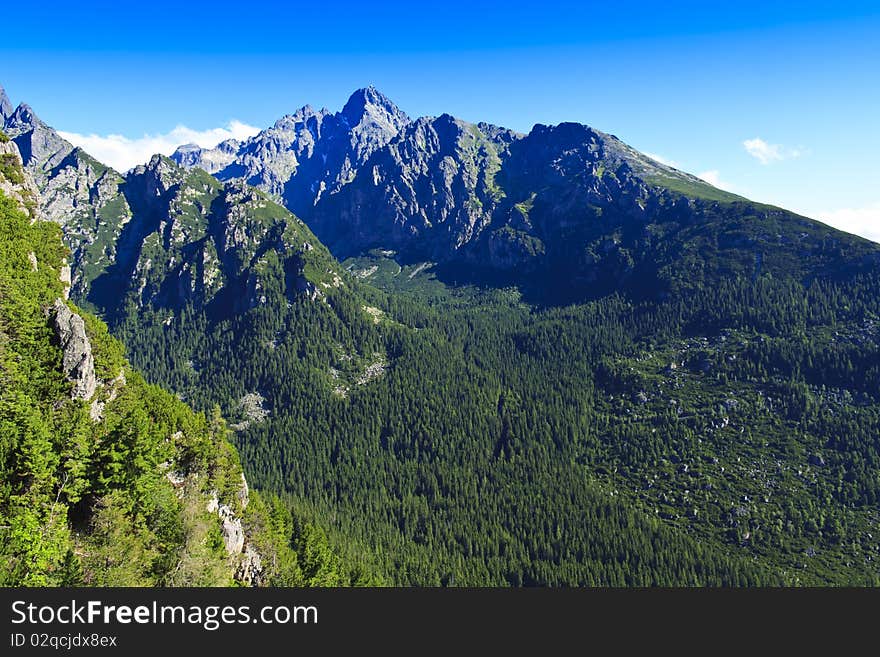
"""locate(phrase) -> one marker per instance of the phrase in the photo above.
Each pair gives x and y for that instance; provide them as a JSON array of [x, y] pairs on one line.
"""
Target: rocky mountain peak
[[194, 150], [299, 117], [189, 148], [307, 111], [161, 174], [70, 188], [5, 106], [159, 164], [573, 134], [187, 154], [40, 146], [307, 155], [368, 105], [449, 127], [229, 146], [211, 160], [22, 119]]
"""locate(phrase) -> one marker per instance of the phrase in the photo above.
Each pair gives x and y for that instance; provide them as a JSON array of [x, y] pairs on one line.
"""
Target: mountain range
[[564, 204], [567, 213], [473, 356]]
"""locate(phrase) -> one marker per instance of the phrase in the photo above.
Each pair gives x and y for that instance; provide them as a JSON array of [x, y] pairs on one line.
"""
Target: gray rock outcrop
[[248, 563], [64, 277], [250, 568], [77, 361], [244, 493], [5, 106], [233, 534], [20, 188]]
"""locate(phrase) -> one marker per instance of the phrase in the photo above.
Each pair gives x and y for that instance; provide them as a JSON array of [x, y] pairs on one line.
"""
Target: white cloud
[[864, 221], [664, 160], [766, 153], [713, 177], [123, 153]]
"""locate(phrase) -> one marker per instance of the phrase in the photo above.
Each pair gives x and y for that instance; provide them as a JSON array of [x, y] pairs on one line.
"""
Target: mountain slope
[[193, 240], [76, 191], [87, 444], [679, 388], [108, 480]]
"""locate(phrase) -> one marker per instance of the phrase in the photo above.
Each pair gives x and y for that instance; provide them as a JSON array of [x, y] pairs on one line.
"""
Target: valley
[[451, 354]]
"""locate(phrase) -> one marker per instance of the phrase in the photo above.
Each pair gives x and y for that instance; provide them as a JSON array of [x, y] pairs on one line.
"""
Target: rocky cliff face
[[74, 190], [13, 183], [77, 361], [430, 190], [41, 147], [247, 562]]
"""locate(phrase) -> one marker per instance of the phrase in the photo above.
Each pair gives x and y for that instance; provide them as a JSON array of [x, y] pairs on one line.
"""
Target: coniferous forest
[[479, 359], [727, 439], [118, 491]]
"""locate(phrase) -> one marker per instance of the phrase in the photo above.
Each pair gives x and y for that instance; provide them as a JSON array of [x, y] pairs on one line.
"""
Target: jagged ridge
[[565, 206]]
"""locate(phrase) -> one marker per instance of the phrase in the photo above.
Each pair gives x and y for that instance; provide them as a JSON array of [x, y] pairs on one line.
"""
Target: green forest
[[729, 437], [118, 499]]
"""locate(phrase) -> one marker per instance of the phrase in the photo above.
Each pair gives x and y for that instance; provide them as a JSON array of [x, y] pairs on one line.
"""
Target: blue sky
[[777, 101]]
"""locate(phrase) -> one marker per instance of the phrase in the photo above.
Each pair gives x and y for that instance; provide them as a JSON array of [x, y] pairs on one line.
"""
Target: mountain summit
[[76, 191], [307, 154], [373, 115], [370, 101]]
